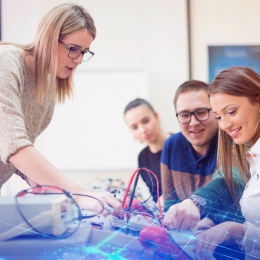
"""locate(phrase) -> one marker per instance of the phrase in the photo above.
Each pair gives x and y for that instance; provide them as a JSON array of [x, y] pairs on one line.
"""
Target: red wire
[[130, 182], [128, 187], [158, 194]]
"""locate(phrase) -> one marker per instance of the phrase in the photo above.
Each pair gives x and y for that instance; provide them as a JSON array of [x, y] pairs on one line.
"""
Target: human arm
[[183, 215], [30, 182], [36, 167], [226, 233], [168, 190], [220, 206], [186, 215], [22, 119]]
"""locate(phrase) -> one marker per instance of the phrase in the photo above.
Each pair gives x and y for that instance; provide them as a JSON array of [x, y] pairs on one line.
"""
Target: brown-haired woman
[[235, 101]]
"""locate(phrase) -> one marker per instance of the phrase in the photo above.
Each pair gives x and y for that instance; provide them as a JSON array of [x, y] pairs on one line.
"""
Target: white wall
[[145, 37], [141, 50], [221, 22]]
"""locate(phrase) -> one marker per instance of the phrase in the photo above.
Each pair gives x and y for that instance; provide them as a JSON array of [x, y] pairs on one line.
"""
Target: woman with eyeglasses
[[33, 77], [235, 101]]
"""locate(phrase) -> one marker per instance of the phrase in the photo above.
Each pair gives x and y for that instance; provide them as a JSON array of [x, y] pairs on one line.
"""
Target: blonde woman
[[33, 77]]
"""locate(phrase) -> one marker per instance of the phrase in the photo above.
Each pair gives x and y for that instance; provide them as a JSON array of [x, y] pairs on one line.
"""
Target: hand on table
[[203, 225], [111, 204], [184, 215], [208, 239]]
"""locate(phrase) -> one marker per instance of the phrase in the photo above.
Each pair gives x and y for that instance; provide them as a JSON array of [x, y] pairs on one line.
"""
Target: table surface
[[90, 242]]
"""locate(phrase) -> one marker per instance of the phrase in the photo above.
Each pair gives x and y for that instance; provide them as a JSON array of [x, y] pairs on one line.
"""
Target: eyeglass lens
[[75, 52], [200, 115]]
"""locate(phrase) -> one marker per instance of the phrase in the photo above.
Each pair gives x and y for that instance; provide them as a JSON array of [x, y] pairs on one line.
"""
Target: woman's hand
[[184, 215], [203, 225], [110, 203], [208, 240]]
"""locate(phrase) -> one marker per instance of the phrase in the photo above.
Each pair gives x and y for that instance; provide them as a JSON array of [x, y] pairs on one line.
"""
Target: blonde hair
[[54, 26]]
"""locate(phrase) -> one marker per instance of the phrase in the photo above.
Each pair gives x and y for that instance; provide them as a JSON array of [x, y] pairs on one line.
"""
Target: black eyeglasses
[[201, 114], [75, 52], [52, 211]]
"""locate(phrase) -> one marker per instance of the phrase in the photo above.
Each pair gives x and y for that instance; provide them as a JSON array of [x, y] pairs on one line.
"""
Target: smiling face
[[199, 134], [81, 39], [237, 116], [143, 123]]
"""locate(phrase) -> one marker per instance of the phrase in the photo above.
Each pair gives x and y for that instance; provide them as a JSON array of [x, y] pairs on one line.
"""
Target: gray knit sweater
[[22, 119]]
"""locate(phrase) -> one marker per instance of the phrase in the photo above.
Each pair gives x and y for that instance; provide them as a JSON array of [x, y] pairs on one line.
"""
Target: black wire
[[150, 175], [133, 192], [67, 194], [65, 234], [93, 215]]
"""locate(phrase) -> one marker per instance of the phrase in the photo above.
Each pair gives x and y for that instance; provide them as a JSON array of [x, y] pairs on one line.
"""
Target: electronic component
[[45, 214], [135, 223], [96, 238], [111, 235]]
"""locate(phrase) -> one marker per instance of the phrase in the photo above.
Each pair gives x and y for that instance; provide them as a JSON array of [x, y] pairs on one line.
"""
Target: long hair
[[54, 26], [243, 82]]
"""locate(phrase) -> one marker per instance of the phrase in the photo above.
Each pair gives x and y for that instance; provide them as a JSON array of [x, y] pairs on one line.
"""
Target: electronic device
[[97, 238], [44, 213], [127, 237]]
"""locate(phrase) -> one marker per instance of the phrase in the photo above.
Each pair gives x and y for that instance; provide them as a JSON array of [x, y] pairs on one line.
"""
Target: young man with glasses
[[189, 157]]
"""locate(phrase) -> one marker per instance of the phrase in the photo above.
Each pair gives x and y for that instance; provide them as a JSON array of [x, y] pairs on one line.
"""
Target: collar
[[255, 148]]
